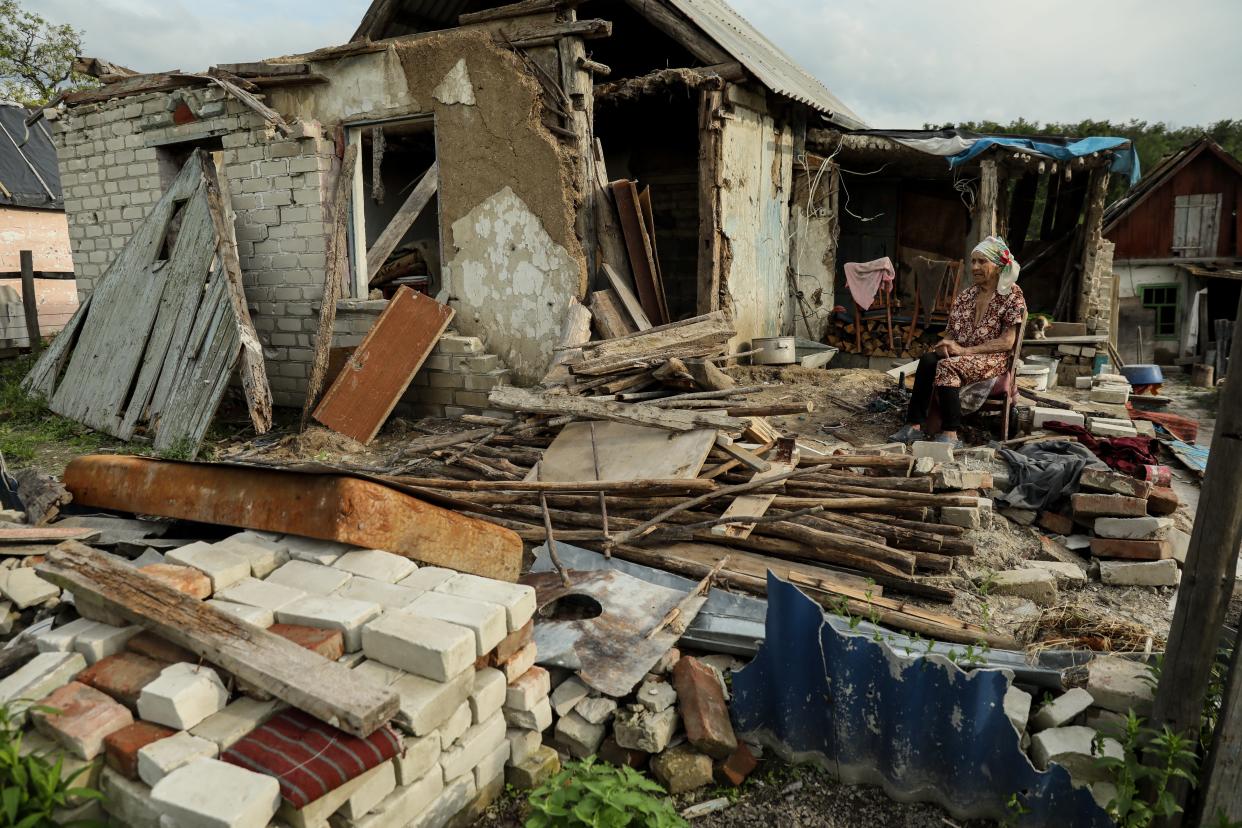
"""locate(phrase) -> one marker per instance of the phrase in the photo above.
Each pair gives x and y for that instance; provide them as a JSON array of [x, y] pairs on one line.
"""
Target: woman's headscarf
[[996, 251]]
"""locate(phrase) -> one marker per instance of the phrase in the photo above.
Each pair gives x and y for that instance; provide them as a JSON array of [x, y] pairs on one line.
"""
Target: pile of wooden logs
[[907, 344]]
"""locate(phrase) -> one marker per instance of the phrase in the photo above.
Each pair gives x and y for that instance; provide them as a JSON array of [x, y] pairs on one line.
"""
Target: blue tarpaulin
[[1124, 162]]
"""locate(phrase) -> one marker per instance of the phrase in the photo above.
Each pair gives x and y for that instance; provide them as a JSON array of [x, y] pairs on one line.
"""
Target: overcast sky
[[896, 63]]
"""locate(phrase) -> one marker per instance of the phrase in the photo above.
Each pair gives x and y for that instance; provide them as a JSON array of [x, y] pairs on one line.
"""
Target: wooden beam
[[400, 224], [520, 9], [710, 229], [326, 690], [136, 85], [30, 303], [549, 35], [518, 399], [264, 69]]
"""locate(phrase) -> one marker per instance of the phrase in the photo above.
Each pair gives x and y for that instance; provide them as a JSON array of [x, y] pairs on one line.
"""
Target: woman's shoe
[[906, 434]]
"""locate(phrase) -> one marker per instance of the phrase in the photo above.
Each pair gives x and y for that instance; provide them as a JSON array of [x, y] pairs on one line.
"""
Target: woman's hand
[[949, 348]]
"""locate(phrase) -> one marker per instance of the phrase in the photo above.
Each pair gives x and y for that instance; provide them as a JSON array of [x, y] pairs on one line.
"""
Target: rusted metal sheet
[[381, 368], [610, 651], [325, 506]]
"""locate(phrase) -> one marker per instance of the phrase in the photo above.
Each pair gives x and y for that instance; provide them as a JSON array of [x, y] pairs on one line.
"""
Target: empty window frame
[[1162, 299], [394, 235]]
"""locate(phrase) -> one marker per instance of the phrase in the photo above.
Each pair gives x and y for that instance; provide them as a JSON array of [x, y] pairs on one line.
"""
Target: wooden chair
[[1005, 389]]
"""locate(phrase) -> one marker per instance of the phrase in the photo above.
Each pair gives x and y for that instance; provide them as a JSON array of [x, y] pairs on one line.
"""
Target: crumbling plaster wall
[[511, 255], [757, 176]]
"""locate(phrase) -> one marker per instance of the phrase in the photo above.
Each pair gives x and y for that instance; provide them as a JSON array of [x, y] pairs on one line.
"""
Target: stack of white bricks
[[456, 648]]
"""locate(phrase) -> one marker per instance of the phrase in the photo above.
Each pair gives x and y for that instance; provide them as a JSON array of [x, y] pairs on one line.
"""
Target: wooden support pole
[[29, 302], [1202, 601]]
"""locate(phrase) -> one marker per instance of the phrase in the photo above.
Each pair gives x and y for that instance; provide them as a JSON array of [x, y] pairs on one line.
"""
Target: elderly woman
[[981, 331]]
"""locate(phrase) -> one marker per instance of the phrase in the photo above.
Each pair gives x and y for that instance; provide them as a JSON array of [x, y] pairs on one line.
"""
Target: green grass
[[26, 424]]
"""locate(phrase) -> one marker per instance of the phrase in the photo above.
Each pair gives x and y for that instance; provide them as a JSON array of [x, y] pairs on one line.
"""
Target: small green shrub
[[603, 796], [1143, 793], [32, 789]]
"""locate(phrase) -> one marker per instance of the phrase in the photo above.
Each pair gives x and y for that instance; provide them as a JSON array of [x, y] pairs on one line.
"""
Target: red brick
[[328, 643], [704, 714], [161, 649], [122, 676], [85, 716], [614, 754], [514, 641], [1057, 523], [185, 579], [1162, 501], [1134, 550], [738, 766], [1106, 480], [121, 747], [1088, 505]]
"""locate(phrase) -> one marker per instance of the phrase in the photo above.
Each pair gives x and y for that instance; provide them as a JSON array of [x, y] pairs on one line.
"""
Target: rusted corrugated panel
[[329, 507], [381, 368], [775, 69]]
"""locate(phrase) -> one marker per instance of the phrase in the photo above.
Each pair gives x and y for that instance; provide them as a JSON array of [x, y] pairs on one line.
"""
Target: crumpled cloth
[[865, 279], [1124, 454], [1183, 428], [1042, 473]]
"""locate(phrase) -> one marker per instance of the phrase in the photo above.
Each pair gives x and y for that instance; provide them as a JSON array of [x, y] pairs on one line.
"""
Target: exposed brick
[[122, 676], [1105, 480], [513, 642], [704, 713], [740, 764], [86, 716], [161, 649], [328, 643], [121, 747], [185, 579], [614, 754], [1057, 523], [1162, 501], [1088, 506], [1135, 550]]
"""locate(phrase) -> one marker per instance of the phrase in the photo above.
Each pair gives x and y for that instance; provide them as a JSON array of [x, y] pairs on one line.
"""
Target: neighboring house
[[32, 217], [1178, 258]]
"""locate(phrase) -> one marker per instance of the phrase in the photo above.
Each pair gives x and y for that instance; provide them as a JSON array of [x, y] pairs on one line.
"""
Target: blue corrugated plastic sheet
[[919, 727]]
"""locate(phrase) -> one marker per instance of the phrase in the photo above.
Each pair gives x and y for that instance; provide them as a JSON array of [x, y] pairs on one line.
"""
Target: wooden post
[[1202, 600], [29, 302], [710, 101], [579, 87], [1097, 190], [985, 204]]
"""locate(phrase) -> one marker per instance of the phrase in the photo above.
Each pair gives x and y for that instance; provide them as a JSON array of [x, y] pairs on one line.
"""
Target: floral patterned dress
[[1002, 313]]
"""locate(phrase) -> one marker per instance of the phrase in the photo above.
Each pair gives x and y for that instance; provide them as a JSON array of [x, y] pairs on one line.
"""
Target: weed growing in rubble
[[587, 793], [26, 424], [1016, 809], [1171, 756], [32, 788]]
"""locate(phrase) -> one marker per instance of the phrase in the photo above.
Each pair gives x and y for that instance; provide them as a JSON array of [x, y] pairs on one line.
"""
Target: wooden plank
[[644, 207], [608, 316], [30, 304], [10, 533], [627, 298], [264, 69], [519, 399], [575, 331], [642, 260], [743, 506], [608, 230], [333, 279], [519, 9], [710, 230], [326, 690], [626, 452], [750, 461], [382, 367], [400, 224]]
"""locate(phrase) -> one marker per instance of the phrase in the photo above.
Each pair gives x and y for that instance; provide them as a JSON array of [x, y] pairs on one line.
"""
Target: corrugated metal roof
[[775, 69], [28, 173]]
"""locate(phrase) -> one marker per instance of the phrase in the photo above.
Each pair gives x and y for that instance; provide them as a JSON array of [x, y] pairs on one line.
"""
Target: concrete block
[[406, 803], [938, 452], [1083, 383], [536, 769], [237, 719], [265, 553], [1064, 415], [657, 695], [128, 802], [418, 644], [121, 746], [539, 717], [488, 694], [1110, 394], [517, 599], [368, 796], [460, 345], [60, 639], [528, 689], [1111, 482], [1022, 517], [418, 758], [1134, 550], [1036, 585], [475, 744], [160, 758], [492, 768], [1088, 506], [221, 565], [1062, 710], [103, 640], [598, 710], [1179, 544], [25, 588], [185, 579], [681, 769], [270, 595], [376, 564], [258, 616], [1018, 708], [969, 517], [1074, 749], [455, 726], [486, 620], [522, 744], [317, 813], [122, 676], [389, 596], [310, 578], [452, 800], [579, 737], [1147, 527], [1066, 574], [1104, 429], [313, 550], [1140, 573], [182, 696], [85, 717], [425, 704], [331, 613], [426, 578], [1120, 685], [39, 677], [638, 728], [567, 694], [191, 796]]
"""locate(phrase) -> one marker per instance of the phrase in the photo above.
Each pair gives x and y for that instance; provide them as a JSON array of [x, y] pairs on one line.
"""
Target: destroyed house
[[489, 138]]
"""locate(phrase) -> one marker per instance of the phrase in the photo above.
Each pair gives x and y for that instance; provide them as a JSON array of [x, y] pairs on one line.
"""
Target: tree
[[36, 57]]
